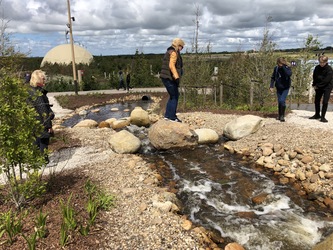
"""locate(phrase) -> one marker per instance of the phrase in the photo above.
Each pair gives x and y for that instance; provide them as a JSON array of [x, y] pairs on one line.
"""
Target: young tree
[[302, 73], [20, 160], [198, 71]]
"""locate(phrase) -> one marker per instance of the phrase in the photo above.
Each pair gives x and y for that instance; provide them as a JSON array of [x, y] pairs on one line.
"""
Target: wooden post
[[72, 46], [221, 94]]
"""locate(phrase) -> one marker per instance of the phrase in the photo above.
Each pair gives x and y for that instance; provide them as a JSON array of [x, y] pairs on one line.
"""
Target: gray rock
[[124, 142], [166, 134], [242, 126]]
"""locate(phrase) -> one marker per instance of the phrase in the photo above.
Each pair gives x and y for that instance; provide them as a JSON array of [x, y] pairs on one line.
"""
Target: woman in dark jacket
[[171, 72], [322, 83], [40, 101], [281, 78]]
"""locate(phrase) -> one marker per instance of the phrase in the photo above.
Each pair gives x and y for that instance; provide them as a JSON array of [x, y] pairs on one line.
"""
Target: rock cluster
[[313, 172]]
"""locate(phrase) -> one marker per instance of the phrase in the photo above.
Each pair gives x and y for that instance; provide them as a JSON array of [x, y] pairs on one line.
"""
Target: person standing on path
[[121, 80], [281, 78], [323, 84], [39, 100], [128, 81], [171, 72]]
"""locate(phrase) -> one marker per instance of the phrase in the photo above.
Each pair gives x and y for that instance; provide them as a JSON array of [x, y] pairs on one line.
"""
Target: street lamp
[[69, 25]]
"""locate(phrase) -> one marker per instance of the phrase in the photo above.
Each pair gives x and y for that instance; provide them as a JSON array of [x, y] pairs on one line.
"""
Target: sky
[[118, 27]]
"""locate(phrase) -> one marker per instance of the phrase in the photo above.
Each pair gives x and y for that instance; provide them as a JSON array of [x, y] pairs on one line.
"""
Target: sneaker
[[323, 119], [315, 117], [177, 120]]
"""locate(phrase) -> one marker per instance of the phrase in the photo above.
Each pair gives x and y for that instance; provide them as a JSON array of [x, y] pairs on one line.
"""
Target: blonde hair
[[37, 77], [177, 42]]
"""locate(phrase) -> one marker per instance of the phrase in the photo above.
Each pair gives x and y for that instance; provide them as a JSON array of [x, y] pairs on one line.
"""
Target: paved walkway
[[61, 112], [308, 107]]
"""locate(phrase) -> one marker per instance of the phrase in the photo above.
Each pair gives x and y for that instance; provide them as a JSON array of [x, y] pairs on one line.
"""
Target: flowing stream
[[216, 189]]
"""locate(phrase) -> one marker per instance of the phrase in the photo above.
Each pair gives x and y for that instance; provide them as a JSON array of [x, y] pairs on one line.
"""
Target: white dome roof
[[62, 54]]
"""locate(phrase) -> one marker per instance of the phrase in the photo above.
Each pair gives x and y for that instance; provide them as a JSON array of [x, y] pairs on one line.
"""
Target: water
[[105, 112], [217, 188]]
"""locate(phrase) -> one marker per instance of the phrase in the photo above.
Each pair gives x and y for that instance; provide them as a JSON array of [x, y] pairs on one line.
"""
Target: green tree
[[141, 73], [20, 159], [302, 72]]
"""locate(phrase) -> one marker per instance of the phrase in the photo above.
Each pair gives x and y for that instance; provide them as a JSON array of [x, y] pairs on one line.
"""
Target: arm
[[172, 65], [271, 86], [314, 77], [42, 107]]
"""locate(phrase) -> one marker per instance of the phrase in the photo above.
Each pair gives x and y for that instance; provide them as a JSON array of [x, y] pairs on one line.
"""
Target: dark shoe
[[282, 119], [323, 119], [315, 117], [177, 120]]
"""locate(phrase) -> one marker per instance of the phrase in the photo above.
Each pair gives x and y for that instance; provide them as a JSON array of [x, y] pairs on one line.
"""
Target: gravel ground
[[141, 218]]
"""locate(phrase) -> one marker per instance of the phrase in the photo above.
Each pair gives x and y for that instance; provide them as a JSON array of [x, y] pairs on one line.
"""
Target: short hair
[[37, 77], [323, 59]]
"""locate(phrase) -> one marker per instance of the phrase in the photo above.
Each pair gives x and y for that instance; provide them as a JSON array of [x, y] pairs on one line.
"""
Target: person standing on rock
[[323, 84], [172, 68], [39, 100], [281, 78]]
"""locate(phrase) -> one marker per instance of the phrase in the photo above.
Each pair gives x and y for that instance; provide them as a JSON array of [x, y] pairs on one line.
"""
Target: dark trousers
[[171, 107], [319, 94], [121, 85], [43, 144]]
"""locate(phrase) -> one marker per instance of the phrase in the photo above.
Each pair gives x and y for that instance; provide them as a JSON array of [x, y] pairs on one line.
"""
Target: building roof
[[62, 54]]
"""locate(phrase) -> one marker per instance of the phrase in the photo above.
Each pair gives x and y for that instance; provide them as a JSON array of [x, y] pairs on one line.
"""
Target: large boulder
[[121, 123], [87, 123], [206, 136], [242, 126], [167, 134], [140, 117], [124, 142]]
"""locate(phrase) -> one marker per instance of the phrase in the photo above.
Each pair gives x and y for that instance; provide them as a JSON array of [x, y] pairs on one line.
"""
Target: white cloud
[[122, 26]]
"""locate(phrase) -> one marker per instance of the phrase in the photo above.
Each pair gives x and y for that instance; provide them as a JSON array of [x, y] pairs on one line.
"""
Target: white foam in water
[[281, 202], [197, 187]]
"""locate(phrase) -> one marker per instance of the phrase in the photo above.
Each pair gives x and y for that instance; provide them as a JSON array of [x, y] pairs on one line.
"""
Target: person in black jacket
[[171, 72], [39, 100], [281, 78], [323, 84]]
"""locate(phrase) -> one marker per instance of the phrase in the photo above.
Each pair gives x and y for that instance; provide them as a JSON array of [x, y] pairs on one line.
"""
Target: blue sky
[[118, 27]]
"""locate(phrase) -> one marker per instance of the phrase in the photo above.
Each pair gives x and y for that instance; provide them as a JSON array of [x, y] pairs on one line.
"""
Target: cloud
[[122, 26]]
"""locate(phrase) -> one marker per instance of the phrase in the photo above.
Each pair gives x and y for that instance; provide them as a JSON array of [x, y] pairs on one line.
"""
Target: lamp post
[[72, 45]]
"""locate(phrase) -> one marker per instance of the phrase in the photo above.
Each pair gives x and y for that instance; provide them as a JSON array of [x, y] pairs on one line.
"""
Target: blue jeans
[[282, 96], [171, 107]]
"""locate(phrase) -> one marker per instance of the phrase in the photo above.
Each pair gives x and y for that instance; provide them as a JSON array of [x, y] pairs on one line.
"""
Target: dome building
[[62, 54]]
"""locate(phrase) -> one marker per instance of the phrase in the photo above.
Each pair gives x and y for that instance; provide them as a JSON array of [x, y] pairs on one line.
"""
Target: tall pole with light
[[69, 25]]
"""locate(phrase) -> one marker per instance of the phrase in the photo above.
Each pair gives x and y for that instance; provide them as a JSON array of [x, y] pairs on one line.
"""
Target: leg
[[327, 93], [43, 144], [318, 96], [171, 107], [282, 96]]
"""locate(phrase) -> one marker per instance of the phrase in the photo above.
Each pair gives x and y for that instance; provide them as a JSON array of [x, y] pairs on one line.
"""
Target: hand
[[177, 81], [271, 89]]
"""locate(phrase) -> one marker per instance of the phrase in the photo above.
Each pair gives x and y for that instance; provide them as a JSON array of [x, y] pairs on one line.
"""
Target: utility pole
[[69, 25]]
